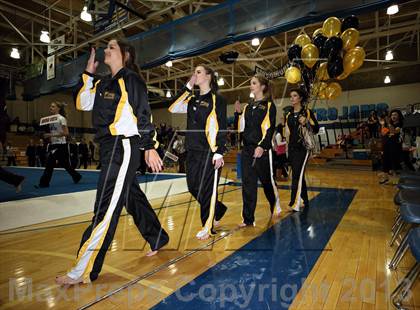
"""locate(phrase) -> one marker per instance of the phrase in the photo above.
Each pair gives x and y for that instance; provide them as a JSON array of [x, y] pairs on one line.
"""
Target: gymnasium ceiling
[[22, 20]]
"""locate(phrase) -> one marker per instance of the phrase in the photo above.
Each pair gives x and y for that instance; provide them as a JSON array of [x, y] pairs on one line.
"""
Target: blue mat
[[268, 272], [61, 183]]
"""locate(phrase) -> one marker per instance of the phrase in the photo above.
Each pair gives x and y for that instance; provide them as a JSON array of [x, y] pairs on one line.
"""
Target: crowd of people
[[396, 143]]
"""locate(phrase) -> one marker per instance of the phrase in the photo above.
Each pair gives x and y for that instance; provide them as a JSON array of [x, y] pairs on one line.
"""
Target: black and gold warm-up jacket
[[257, 122], [206, 120], [291, 129], [119, 104]]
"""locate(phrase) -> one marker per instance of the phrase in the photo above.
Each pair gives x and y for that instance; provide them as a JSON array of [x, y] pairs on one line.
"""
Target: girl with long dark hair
[[205, 143], [122, 117], [299, 117], [391, 128], [257, 121]]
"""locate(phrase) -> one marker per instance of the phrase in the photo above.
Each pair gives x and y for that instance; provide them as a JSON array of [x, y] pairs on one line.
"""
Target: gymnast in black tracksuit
[[298, 154], [257, 122], [205, 143], [122, 117]]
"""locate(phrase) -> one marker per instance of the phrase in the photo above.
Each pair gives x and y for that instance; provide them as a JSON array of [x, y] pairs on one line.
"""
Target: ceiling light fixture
[[15, 53], [45, 36], [255, 42], [85, 15], [393, 9]]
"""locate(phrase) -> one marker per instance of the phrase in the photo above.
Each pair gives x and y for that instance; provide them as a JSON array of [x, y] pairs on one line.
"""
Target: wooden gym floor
[[332, 257]]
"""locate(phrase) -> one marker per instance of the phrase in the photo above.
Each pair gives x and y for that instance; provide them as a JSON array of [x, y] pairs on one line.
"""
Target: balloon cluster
[[331, 55]]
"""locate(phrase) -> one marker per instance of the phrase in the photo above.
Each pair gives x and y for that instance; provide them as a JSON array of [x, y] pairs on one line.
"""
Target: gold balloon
[[331, 27], [350, 38], [302, 40], [309, 55], [318, 90], [342, 76], [353, 59], [333, 90], [293, 75], [316, 32], [322, 72]]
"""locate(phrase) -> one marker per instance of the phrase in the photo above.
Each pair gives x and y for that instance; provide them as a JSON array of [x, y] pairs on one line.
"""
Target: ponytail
[[130, 60]]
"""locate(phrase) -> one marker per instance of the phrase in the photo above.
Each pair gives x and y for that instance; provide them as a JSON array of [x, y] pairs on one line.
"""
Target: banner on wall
[[55, 44], [271, 75], [50, 67]]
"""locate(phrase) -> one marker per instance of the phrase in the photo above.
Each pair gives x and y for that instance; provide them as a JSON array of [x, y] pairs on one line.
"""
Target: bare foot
[[66, 280], [151, 253], [204, 237], [277, 212], [242, 225], [203, 234], [275, 216], [216, 223]]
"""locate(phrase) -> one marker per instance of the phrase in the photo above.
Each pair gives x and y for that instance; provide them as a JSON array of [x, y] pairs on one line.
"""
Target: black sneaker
[[77, 178]]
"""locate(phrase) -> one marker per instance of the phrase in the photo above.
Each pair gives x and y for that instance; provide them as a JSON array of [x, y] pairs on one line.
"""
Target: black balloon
[[308, 77], [319, 41], [332, 46], [294, 52], [350, 22], [335, 66]]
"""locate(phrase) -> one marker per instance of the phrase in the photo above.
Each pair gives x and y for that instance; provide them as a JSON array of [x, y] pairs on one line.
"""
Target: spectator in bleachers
[[170, 134], [31, 153], [408, 146], [11, 155], [74, 153], [180, 151], [41, 153], [162, 134], [83, 153], [280, 151], [91, 152], [391, 129]]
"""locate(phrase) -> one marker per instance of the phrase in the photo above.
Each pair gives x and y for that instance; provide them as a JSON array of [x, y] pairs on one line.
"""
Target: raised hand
[[92, 64], [238, 106], [192, 81]]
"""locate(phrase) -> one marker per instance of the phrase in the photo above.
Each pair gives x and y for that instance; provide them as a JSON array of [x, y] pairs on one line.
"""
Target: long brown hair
[[60, 106], [213, 78], [302, 94], [266, 82], [126, 48]]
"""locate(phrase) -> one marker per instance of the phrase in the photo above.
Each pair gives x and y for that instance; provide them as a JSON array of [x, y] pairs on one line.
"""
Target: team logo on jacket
[[109, 95], [204, 104]]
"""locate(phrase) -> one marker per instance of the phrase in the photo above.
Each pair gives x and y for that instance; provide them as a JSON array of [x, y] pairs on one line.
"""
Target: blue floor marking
[[268, 272], [61, 183]]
